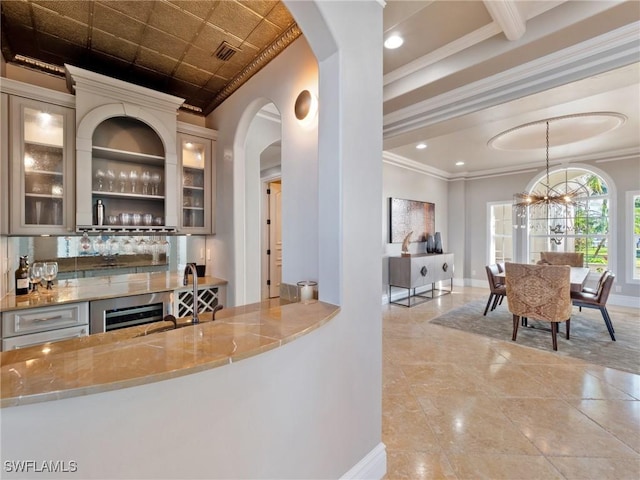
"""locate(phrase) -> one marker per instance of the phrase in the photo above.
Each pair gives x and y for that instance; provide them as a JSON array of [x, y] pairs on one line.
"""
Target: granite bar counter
[[137, 356], [100, 288]]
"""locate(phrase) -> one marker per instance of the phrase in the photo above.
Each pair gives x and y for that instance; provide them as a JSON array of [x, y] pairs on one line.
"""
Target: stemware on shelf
[[50, 273], [85, 243], [100, 178], [111, 178], [146, 178], [133, 176], [156, 179], [123, 177], [35, 275]]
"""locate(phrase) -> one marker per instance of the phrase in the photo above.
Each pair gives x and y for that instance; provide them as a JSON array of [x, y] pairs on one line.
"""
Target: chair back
[[605, 288], [492, 271], [541, 292], [573, 259]]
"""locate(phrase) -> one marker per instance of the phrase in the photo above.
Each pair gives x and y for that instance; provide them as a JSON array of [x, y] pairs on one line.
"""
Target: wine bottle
[[22, 276]]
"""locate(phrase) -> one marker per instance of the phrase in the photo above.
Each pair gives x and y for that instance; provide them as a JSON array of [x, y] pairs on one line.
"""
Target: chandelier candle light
[[522, 202]]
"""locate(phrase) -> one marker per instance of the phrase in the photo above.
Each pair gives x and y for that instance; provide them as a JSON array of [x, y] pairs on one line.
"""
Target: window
[[581, 227], [500, 233], [633, 223]]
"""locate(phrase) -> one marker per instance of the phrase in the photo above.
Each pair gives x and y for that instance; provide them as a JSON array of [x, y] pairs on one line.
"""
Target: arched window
[[582, 226]]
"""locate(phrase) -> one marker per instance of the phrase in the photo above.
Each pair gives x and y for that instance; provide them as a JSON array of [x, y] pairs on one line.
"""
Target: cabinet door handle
[[423, 271], [445, 267], [46, 319]]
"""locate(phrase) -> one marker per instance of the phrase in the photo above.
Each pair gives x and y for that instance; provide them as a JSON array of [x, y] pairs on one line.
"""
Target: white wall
[[261, 134], [399, 182], [279, 82]]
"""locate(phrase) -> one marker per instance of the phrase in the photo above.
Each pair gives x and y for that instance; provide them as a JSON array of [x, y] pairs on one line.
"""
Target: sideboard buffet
[[420, 274]]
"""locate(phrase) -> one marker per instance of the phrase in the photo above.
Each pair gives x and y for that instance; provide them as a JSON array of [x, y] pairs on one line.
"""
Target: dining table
[[578, 277]]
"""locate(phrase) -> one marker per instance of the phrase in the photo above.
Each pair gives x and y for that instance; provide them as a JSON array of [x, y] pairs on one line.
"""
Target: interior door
[[275, 238]]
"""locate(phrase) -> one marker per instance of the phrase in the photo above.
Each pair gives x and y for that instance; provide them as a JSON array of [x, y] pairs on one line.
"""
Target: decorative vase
[[430, 244], [438, 240]]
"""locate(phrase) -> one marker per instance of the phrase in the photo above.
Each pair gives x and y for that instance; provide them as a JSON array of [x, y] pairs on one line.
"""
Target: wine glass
[[133, 176], [100, 178], [85, 243], [123, 177], [146, 178], [50, 273], [35, 275], [156, 179], [111, 177]]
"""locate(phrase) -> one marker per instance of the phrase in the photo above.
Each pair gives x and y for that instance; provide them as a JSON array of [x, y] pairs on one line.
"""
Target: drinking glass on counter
[[36, 271], [50, 273]]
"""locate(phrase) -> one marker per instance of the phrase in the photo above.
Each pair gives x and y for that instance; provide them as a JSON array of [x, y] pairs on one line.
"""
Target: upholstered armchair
[[573, 259], [540, 292], [497, 290]]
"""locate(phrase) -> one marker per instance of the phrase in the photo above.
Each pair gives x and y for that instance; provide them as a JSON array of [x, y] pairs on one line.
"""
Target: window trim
[[629, 256]]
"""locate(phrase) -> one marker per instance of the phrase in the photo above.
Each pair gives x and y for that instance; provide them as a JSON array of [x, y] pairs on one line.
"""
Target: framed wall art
[[411, 216]]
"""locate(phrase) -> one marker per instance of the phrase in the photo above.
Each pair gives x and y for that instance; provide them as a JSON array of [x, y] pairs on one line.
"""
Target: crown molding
[[413, 166], [21, 89]]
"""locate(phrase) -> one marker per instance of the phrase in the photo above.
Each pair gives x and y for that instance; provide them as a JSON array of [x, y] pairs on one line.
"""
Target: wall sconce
[[306, 106]]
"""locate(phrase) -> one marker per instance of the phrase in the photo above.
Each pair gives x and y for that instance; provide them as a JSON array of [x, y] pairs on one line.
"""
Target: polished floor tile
[[457, 405]]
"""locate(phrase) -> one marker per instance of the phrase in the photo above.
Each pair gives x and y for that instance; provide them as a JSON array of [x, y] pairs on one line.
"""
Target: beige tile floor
[[461, 406]]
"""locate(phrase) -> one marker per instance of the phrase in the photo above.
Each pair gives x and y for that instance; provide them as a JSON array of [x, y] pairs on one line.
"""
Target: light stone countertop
[[99, 288], [129, 357]]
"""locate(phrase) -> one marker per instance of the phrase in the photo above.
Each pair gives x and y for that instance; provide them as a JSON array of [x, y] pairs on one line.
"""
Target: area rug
[[590, 340]]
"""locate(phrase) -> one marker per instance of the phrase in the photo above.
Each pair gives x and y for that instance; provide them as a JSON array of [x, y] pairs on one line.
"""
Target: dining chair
[[540, 292], [597, 300], [497, 290]]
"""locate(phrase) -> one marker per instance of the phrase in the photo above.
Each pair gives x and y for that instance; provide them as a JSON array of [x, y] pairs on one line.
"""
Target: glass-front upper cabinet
[[41, 166], [196, 167]]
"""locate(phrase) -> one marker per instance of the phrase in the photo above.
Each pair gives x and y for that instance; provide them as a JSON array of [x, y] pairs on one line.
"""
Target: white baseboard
[[372, 467]]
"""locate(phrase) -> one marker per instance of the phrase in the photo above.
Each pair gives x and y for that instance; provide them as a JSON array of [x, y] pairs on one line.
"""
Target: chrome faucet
[[194, 273]]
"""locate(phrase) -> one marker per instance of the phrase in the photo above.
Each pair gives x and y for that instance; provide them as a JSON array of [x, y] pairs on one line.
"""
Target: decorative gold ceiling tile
[[203, 59], [145, 41], [199, 8], [191, 74], [210, 37], [116, 23], [58, 26], [261, 7], [170, 19], [265, 34], [77, 10], [280, 16], [137, 9], [18, 12], [235, 18], [155, 61], [216, 83], [114, 46], [164, 43]]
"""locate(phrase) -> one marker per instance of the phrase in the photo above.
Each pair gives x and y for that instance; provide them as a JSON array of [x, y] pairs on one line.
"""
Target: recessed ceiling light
[[421, 146], [459, 164], [394, 41]]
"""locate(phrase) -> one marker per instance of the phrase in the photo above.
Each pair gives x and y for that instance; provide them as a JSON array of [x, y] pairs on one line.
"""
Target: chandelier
[[525, 202]]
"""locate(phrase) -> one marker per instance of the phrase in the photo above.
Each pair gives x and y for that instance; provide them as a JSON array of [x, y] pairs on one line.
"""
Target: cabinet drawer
[[23, 341], [35, 320]]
